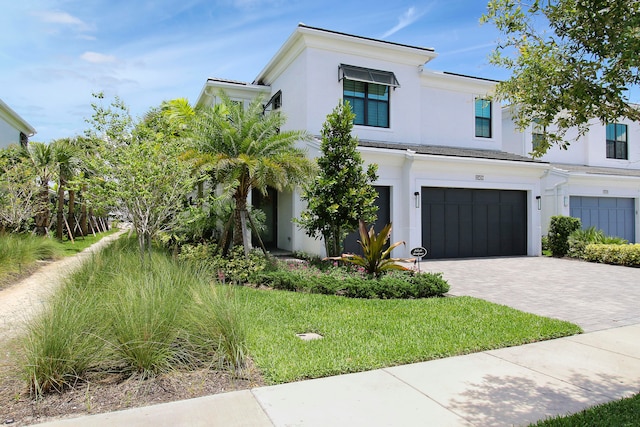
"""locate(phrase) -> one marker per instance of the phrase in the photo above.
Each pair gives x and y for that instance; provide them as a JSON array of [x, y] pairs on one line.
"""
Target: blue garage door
[[613, 215]]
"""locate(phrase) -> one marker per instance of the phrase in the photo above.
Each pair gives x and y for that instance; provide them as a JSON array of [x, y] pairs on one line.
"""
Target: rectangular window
[[483, 118], [537, 135], [616, 141], [369, 102]]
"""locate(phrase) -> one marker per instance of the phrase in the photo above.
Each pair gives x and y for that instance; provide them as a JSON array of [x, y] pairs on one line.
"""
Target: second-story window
[[367, 91], [616, 141], [537, 135], [369, 102], [483, 118]]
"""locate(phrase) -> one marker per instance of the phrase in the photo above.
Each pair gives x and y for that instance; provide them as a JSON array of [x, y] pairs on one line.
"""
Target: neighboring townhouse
[[13, 128], [445, 181], [597, 179]]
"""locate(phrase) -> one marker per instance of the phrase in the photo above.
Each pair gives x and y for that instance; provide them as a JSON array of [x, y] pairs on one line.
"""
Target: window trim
[[615, 141], [476, 117]]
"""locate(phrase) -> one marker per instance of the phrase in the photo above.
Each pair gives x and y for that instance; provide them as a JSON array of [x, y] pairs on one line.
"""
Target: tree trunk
[[240, 228], [71, 212], [84, 229], [255, 230], [60, 211], [42, 215]]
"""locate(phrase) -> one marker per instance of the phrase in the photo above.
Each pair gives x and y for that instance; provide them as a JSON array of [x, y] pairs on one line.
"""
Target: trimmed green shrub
[[559, 230], [628, 255], [234, 268], [545, 243]]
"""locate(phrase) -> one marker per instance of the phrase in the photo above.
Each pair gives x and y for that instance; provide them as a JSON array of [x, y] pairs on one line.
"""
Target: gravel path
[[20, 302]]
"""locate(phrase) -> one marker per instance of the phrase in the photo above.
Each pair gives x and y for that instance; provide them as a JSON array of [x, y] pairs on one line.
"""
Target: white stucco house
[[597, 179], [450, 180], [13, 128]]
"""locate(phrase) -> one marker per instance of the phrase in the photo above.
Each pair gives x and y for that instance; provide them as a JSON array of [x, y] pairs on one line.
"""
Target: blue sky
[[55, 53]]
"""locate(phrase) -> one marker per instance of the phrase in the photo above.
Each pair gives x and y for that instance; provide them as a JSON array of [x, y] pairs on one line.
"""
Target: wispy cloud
[[98, 58], [62, 18], [482, 47], [406, 19]]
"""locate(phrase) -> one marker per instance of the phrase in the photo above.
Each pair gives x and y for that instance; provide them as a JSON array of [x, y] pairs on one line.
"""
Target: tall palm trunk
[[71, 215], [84, 229], [43, 211], [60, 210], [240, 237]]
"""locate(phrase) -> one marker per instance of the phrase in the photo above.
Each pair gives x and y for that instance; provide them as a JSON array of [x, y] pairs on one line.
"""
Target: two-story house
[[13, 128], [447, 179], [597, 179]]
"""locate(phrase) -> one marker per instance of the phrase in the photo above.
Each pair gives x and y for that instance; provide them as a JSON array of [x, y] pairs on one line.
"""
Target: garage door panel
[[615, 216], [486, 197], [480, 232], [473, 222], [437, 239]]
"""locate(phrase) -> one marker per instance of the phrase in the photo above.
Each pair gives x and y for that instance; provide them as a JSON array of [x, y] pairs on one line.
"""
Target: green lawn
[[363, 334], [81, 243], [621, 413]]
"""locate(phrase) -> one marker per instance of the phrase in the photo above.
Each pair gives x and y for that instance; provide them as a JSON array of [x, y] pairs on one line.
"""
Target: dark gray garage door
[[613, 215], [383, 201], [463, 222]]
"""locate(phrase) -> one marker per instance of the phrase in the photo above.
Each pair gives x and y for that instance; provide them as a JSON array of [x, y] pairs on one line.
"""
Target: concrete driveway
[[594, 296]]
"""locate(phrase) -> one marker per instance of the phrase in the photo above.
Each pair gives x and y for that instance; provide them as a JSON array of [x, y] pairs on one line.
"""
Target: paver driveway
[[594, 296]]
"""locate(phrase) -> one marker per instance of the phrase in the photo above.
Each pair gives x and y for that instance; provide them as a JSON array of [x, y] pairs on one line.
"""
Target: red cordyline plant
[[375, 259]]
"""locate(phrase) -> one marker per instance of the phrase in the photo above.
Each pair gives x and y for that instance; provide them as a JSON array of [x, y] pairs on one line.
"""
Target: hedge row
[[628, 255], [389, 286]]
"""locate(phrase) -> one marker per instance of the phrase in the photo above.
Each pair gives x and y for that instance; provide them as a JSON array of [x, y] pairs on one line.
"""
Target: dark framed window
[[538, 134], [369, 102], [24, 139], [483, 118], [616, 141], [275, 102]]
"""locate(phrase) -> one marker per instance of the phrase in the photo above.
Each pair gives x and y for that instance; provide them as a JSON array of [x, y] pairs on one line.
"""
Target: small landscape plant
[[376, 258]]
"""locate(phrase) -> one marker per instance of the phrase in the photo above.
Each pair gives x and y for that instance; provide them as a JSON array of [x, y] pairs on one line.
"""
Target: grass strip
[[621, 413], [364, 334]]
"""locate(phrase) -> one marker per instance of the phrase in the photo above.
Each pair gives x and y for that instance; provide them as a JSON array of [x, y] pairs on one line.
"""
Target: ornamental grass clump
[[120, 314], [18, 252], [62, 343]]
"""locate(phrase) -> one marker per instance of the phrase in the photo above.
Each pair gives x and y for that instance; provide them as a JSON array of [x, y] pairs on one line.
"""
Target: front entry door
[[269, 205]]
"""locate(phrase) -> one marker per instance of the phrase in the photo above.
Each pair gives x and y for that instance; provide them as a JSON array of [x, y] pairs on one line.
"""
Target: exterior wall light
[[539, 199], [417, 197]]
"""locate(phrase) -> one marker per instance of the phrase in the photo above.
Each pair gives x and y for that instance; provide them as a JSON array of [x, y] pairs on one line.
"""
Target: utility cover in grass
[[309, 336]]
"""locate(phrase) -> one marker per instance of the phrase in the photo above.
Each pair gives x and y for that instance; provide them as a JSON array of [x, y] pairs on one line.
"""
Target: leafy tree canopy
[[571, 61]]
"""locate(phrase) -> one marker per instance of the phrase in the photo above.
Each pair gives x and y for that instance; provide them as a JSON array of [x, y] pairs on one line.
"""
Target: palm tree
[[66, 155], [42, 158], [245, 149]]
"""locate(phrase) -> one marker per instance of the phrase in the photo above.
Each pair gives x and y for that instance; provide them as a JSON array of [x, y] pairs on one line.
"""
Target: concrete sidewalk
[[509, 386]]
